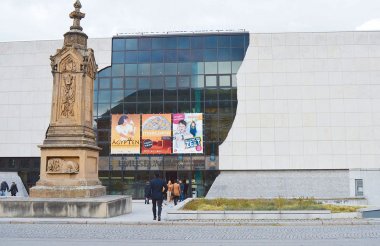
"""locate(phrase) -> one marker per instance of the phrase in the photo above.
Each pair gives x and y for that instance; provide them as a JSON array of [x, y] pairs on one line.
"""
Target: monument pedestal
[[98, 207]]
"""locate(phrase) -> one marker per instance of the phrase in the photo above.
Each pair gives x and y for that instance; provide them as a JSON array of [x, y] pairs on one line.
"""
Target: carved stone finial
[[76, 15]]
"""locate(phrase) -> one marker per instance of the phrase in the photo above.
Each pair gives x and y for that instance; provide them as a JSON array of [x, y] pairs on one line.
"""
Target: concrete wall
[[26, 90], [307, 101], [371, 184]]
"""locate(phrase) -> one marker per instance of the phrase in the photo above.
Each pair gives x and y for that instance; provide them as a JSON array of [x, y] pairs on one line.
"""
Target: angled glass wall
[[182, 73]]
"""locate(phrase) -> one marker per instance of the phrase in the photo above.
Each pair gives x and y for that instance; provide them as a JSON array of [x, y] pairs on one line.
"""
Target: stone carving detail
[[69, 66], [58, 165], [68, 96]]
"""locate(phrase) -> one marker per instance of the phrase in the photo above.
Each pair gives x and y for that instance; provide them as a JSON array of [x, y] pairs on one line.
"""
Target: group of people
[[5, 188], [157, 189]]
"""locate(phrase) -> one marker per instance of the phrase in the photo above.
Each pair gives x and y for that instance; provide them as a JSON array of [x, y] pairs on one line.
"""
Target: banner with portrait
[[125, 134], [187, 133], [156, 134]]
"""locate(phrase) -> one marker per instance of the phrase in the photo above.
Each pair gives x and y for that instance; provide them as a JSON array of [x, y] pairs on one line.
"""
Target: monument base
[[98, 207], [67, 191]]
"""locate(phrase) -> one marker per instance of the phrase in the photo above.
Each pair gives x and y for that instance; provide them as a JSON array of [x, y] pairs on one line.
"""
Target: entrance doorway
[[170, 175]]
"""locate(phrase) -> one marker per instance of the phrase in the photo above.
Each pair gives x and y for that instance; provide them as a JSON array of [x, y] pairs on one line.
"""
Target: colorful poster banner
[[125, 134], [187, 133], [156, 134]]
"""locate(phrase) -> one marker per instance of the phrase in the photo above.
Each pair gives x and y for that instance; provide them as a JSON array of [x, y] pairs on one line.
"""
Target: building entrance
[[170, 175]]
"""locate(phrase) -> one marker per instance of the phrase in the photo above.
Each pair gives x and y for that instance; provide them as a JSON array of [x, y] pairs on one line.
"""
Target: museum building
[[284, 114]]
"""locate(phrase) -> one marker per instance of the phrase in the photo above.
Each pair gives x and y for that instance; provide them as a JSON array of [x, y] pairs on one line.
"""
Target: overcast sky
[[48, 19]]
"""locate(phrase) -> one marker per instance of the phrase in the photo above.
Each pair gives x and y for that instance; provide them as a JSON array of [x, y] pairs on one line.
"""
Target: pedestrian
[[182, 188], [4, 188], [146, 192], [13, 189], [170, 190], [186, 187], [157, 187], [176, 192]]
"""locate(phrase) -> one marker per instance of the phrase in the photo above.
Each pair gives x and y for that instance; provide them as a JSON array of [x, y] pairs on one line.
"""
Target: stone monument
[[69, 154], [69, 185]]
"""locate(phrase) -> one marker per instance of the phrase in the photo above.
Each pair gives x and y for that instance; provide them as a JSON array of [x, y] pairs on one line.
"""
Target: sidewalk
[[142, 215]]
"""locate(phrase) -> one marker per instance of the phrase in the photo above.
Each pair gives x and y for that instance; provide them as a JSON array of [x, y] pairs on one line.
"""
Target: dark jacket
[[157, 187], [13, 189], [4, 186], [147, 190]]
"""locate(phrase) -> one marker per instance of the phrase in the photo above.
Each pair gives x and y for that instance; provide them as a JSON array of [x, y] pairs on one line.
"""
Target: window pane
[[196, 55], [131, 57], [211, 42], [211, 67], [235, 66], [197, 42], [183, 43], [157, 55], [211, 107], [118, 44], [144, 56], [130, 108], [145, 44], [224, 41], [184, 55], [171, 56], [184, 94], [170, 107], [130, 69], [157, 95], [237, 54], [143, 108], [211, 94], [197, 95], [130, 96], [170, 43], [131, 44], [225, 94], [144, 69], [184, 68], [170, 95], [157, 108], [225, 107], [225, 80], [224, 67], [157, 69], [234, 81], [157, 43], [103, 109], [224, 54], [118, 57], [171, 82], [198, 68], [237, 41], [117, 96], [104, 83], [143, 95], [197, 81], [130, 83], [117, 83], [144, 83], [104, 96], [197, 106], [105, 72], [211, 81], [184, 107], [210, 55], [118, 70], [184, 81], [171, 68], [157, 82]]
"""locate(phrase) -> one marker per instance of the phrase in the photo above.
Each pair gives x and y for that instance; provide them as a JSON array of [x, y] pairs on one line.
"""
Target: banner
[[156, 134], [125, 134], [187, 133]]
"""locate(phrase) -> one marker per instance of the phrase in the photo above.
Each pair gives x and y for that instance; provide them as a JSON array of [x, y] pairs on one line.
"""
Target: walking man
[[13, 189], [157, 187], [3, 188]]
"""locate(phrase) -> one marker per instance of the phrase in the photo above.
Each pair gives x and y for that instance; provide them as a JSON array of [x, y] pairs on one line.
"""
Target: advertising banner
[[125, 134], [187, 133], [156, 134]]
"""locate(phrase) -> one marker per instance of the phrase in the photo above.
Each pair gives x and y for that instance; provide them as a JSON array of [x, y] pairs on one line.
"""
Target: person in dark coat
[[3, 188], [146, 192], [13, 189], [157, 187]]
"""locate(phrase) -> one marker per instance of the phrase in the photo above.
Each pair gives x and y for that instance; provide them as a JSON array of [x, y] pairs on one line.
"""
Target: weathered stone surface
[[99, 207]]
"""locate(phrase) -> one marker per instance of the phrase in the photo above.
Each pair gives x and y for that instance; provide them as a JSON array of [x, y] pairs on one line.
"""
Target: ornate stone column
[[69, 154]]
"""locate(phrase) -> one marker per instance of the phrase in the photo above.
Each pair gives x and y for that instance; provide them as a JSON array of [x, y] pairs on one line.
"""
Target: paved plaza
[[138, 228]]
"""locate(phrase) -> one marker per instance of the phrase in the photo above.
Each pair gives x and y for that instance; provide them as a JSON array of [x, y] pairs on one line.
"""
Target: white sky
[[48, 19]]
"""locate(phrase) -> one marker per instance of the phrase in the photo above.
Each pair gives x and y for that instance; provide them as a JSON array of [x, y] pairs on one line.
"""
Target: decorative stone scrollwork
[[58, 165], [69, 66], [68, 95]]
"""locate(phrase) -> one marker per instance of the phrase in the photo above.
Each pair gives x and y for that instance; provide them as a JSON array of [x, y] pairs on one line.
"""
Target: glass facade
[[186, 73]]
